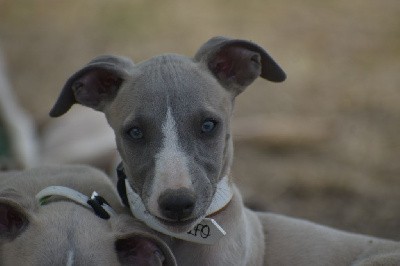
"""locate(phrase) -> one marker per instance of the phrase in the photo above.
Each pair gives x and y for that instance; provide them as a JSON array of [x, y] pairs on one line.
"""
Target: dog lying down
[[58, 231], [171, 119]]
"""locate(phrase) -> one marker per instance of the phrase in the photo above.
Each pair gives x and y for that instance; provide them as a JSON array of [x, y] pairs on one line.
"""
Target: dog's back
[[291, 241]]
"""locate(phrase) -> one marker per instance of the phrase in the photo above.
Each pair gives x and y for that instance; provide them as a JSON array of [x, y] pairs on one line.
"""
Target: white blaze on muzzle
[[204, 231]]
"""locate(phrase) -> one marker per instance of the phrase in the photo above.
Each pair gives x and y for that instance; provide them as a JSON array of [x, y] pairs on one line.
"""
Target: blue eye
[[208, 125], [136, 133]]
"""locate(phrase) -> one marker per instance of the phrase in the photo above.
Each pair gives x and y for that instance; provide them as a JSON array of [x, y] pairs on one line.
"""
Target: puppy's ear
[[95, 85], [13, 219], [143, 249], [237, 63]]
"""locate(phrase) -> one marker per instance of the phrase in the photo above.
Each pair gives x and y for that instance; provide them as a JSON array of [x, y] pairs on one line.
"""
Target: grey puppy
[[63, 232], [171, 118]]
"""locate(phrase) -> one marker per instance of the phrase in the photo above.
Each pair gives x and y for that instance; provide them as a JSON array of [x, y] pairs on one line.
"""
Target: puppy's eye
[[208, 125], [136, 133]]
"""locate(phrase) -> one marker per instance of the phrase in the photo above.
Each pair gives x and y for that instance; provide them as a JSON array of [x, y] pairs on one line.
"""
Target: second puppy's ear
[[95, 85], [237, 63], [143, 249], [13, 219]]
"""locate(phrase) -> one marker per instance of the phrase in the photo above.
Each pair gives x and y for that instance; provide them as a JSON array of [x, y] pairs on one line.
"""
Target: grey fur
[[192, 91], [63, 230]]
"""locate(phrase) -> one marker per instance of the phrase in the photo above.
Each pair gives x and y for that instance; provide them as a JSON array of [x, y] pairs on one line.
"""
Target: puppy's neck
[[204, 231]]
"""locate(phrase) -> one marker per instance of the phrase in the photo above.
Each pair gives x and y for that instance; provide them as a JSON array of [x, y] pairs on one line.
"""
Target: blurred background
[[324, 145]]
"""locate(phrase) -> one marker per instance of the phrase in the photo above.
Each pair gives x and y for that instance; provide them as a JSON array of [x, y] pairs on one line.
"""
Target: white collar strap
[[204, 231], [95, 202], [223, 195]]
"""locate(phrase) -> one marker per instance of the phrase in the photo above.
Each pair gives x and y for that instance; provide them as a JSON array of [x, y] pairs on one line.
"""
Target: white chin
[[179, 226]]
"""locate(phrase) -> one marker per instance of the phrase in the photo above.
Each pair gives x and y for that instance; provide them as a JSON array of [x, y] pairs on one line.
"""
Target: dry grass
[[343, 63]]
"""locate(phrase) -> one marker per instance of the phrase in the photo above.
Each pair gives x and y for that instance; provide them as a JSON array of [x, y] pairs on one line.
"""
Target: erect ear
[[237, 63], [94, 85], [13, 219], [143, 249]]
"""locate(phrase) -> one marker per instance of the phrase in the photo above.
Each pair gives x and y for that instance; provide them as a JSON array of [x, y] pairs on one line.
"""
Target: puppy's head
[[171, 118], [64, 233]]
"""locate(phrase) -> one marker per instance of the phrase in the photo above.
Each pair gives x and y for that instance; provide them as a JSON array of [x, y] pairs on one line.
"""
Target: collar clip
[[99, 205]]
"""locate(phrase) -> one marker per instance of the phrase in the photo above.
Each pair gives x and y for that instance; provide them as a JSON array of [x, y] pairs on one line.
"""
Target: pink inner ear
[[138, 250], [95, 87], [11, 221], [223, 66], [236, 65]]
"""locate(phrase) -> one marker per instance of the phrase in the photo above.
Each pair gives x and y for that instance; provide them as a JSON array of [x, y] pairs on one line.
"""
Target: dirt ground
[[330, 147]]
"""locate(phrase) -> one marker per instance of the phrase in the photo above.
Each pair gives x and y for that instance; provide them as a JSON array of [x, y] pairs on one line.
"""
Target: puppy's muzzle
[[177, 204]]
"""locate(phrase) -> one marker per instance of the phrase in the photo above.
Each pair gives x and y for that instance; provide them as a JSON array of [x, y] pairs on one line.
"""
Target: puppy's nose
[[177, 204]]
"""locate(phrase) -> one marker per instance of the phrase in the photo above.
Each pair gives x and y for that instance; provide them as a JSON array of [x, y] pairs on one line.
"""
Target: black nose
[[177, 204]]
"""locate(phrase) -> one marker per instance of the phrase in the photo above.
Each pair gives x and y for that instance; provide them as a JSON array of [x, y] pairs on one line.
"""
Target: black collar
[[121, 188]]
